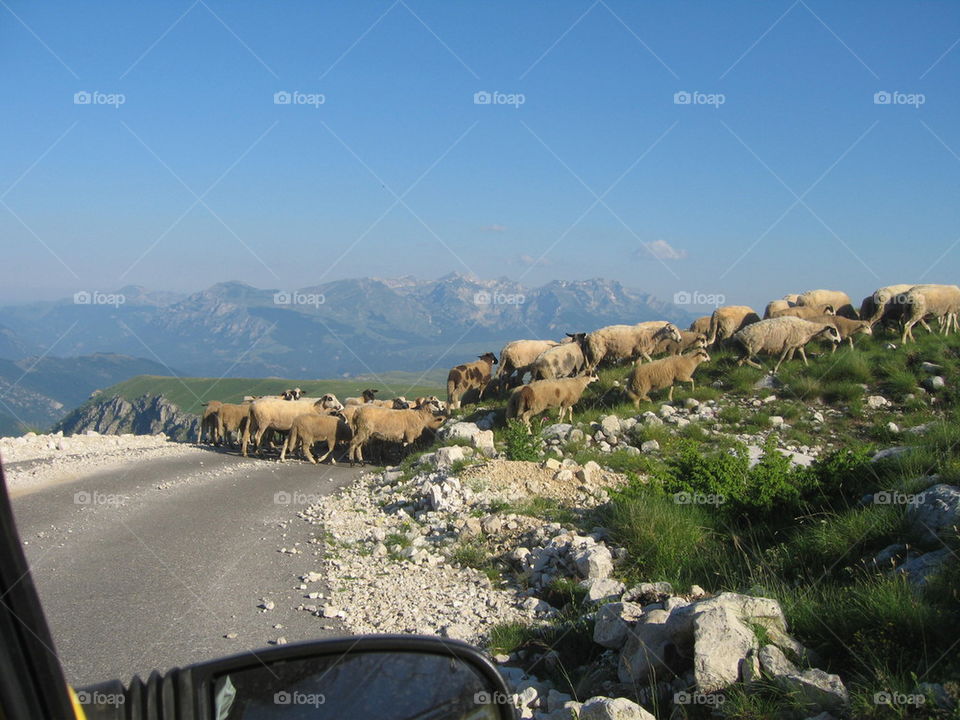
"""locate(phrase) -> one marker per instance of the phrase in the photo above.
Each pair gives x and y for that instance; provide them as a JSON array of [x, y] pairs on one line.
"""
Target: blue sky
[[799, 179]]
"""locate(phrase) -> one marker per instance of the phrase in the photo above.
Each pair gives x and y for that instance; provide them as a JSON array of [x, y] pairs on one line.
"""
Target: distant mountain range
[[37, 391], [336, 329]]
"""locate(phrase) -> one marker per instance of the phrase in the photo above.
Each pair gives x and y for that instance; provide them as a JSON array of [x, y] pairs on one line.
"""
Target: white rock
[[612, 623], [604, 708]]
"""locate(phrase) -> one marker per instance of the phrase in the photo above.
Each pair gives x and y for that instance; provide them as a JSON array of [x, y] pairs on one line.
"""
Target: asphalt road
[[150, 567]]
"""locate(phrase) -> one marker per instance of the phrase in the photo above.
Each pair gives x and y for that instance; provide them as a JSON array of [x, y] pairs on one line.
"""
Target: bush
[[773, 483], [521, 444]]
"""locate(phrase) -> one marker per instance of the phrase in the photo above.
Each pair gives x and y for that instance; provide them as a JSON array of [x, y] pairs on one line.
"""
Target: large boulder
[[594, 561], [721, 643], [604, 708], [613, 622], [935, 512]]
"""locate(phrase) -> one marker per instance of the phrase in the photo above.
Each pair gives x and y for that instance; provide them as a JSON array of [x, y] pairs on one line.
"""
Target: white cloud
[[662, 250], [530, 260]]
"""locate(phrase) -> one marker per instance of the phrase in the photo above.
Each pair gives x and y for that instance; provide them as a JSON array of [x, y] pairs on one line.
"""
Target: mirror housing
[[392, 677]]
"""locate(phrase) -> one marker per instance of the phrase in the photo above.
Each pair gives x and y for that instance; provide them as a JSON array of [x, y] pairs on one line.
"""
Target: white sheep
[[922, 301], [276, 414], [663, 373], [783, 336], [701, 325], [563, 360], [782, 304], [874, 306], [518, 356], [403, 426], [540, 395]]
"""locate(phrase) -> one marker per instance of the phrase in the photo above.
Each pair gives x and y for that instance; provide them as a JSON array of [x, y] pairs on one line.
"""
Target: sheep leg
[[331, 443], [751, 363], [803, 354], [783, 356], [306, 451], [670, 394], [692, 385]]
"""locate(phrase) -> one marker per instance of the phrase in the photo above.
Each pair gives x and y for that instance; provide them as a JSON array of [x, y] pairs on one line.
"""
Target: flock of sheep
[[559, 372]]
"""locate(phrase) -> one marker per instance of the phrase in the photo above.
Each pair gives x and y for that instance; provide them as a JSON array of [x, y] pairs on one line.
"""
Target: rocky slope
[[147, 415]]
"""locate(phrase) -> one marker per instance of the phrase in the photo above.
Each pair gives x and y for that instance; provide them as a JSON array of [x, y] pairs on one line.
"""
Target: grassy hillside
[[189, 393]]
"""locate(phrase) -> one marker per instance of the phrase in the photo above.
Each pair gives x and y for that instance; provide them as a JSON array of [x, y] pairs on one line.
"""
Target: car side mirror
[[380, 677]]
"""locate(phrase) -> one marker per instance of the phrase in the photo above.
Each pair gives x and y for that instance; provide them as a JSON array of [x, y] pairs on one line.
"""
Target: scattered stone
[[649, 446], [604, 708], [613, 622], [933, 513], [877, 402], [934, 383]]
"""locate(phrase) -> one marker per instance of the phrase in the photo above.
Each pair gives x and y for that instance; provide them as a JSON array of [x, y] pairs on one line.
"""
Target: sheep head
[[489, 357]]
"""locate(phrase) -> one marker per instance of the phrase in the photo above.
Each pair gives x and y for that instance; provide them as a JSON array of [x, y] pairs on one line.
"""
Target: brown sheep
[[210, 423], [663, 373], [469, 376], [837, 299], [701, 325], [846, 327], [804, 311], [232, 419], [563, 360], [311, 428], [727, 320], [688, 341], [539, 395], [403, 426], [627, 342]]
